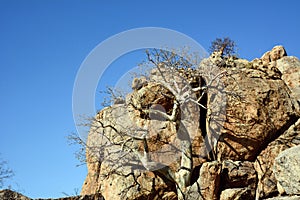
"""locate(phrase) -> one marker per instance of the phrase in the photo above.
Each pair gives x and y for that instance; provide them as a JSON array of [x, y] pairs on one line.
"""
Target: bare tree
[[172, 93], [225, 46], [5, 172]]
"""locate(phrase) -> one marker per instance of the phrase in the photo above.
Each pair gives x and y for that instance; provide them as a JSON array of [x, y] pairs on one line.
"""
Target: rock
[[138, 83], [276, 53], [267, 63], [269, 68], [134, 185], [151, 96], [236, 194], [267, 184], [119, 100], [111, 172], [210, 179], [238, 174], [285, 198], [287, 171], [12, 195], [289, 66], [207, 185], [257, 111], [265, 59], [252, 115], [170, 196]]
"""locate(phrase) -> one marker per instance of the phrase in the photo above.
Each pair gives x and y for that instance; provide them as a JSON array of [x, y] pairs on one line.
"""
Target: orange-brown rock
[[249, 115], [267, 183], [258, 109]]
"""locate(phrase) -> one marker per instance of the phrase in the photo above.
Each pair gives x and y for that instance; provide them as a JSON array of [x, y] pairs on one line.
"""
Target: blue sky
[[44, 42]]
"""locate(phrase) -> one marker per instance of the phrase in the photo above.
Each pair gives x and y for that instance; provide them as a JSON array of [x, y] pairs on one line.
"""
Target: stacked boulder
[[254, 129]]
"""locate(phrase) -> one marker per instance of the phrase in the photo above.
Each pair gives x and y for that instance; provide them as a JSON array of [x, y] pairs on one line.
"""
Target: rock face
[[258, 117], [207, 185], [287, 171], [289, 67], [225, 144], [239, 175], [267, 183]]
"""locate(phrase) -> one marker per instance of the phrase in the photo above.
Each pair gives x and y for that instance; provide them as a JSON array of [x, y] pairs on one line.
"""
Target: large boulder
[[207, 185], [276, 53], [110, 170], [264, 164], [258, 110], [238, 174], [289, 66], [287, 171], [115, 124]]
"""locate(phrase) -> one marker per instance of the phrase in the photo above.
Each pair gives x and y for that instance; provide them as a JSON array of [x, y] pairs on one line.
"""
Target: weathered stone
[[268, 68], [163, 144], [150, 96], [276, 53], [172, 78], [265, 59], [12, 195], [285, 198], [287, 170], [96, 143], [133, 185], [110, 172], [267, 184], [119, 100], [207, 185], [236, 194], [238, 174], [138, 83], [209, 179], [257, 110], [289, 66]]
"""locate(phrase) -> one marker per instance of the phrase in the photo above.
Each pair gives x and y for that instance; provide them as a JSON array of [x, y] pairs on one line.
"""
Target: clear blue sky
[[44, 42]]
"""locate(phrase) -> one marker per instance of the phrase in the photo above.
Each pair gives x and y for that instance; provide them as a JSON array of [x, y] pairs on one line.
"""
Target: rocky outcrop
[[249, 114], [12, 195]]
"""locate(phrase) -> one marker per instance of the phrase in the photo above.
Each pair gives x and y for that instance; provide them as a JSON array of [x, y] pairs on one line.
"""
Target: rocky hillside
[[229, 129]]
